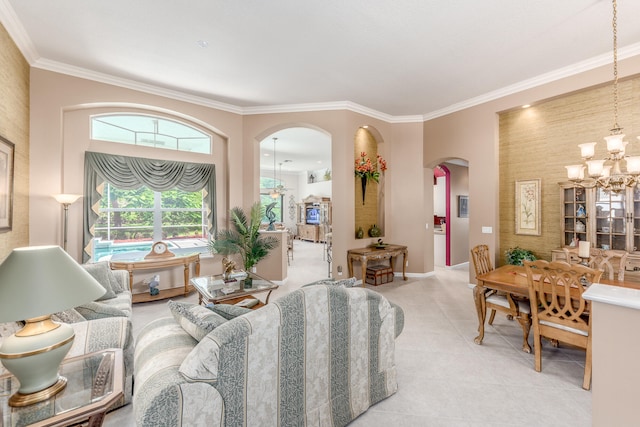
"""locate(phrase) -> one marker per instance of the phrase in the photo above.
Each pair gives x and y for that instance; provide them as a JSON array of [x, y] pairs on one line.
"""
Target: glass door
[[611, 217], [575, 215]]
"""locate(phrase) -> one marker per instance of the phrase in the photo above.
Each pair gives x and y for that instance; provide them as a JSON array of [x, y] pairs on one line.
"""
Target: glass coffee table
[[94, 384], [215, 290]]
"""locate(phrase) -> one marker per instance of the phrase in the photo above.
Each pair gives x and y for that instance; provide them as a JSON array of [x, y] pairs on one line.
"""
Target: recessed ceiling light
[[202, 43], [266, 154], [526, 106], [319, 162]]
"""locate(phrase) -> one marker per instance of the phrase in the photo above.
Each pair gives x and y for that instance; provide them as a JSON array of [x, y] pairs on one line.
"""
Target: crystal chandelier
[[607, 173]]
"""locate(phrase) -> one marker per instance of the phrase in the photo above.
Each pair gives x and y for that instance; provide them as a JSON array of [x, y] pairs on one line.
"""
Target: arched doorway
[[451, 213], [295, 167]]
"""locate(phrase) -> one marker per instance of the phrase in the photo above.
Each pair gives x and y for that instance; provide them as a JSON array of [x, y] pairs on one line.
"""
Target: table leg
[[404, 265], [266, 301], [478, 296], [363, 261], [131, 281], [350, 265], [525, 322], [186, 278]]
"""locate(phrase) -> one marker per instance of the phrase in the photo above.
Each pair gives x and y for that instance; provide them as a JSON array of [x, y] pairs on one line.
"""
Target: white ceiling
[[307, 150], [396, 58]]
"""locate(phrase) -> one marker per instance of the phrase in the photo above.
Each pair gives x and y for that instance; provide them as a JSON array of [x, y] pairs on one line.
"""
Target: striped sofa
[[319, 356]]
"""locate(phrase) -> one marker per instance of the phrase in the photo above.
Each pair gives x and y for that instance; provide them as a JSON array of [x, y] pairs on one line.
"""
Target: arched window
[[149, 131]]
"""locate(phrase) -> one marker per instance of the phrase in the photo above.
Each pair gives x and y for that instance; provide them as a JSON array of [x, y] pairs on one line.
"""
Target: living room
[[43, 111]]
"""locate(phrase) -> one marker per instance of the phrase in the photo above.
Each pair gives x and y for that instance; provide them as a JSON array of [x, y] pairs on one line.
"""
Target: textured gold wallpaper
[[14, 126], [539, 141]]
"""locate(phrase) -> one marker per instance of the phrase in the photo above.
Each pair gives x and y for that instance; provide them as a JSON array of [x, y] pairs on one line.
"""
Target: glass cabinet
[[609, 220], [575, 214]]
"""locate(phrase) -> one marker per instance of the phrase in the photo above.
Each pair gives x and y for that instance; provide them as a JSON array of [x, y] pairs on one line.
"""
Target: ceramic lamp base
[[19, 399], [33, 355]]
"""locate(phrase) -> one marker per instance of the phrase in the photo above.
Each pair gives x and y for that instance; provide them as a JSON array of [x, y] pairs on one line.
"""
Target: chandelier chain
[[616, 127]]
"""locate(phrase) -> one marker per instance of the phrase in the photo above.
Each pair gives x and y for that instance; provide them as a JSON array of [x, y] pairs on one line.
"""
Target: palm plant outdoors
[[244, 237]]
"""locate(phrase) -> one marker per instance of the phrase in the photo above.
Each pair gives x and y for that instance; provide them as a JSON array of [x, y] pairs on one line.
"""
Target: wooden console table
[[364, 255], [159, 264]]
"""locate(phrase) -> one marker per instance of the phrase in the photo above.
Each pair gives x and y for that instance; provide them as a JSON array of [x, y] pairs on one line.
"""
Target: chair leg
[[492, 316], [537, 350], [586, 382]]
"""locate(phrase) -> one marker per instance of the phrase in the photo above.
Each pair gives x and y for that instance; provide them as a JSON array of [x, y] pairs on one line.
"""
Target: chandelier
[[275, 193], [607, 173]]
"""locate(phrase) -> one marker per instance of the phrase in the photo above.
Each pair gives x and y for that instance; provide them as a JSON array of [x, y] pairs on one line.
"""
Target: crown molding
[[83, 73], [329, 106], [571, 70], [16, 30]]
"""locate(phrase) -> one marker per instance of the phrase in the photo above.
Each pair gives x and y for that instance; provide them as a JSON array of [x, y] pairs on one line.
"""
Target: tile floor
[[444, 379]]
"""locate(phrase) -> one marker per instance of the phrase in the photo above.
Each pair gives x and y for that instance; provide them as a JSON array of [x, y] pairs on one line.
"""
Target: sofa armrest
[[163, 395], [122, 277], [101, 334], [399, 315]]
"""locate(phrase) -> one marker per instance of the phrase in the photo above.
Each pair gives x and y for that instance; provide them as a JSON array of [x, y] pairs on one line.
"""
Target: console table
[[364, 255], [160, 264]]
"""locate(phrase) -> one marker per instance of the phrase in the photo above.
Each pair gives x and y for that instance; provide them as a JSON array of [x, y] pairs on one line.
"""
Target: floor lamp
[[65, 200]]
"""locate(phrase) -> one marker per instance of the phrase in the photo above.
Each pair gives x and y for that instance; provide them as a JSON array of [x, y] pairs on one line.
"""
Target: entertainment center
[[313, 218]]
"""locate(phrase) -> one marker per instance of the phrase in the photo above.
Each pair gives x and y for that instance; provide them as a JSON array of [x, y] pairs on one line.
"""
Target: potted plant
[[244, 238], [517, 256]]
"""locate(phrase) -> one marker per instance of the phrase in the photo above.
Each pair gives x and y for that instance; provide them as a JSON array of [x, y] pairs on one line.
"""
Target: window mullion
[[157, 216]]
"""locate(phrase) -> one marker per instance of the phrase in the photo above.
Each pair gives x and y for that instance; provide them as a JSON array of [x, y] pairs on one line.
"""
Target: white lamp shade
[[41, 280], [595, 167], [67, 199], [575, 172], [587, 150], [606, 171], [614, 143], [633, 165]]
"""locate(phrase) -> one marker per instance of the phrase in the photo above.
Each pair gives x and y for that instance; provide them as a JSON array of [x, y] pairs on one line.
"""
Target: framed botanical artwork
[[528, 207], [6, 184], [463, 206]]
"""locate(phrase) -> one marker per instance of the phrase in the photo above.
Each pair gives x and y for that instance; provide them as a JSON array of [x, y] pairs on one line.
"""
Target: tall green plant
[[244, 237]]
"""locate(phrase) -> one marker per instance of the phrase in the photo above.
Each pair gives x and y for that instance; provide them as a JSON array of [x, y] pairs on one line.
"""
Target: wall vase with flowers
[[366, 170]]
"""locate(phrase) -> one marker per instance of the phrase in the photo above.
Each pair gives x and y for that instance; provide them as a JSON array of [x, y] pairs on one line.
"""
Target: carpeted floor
[[444, 379]]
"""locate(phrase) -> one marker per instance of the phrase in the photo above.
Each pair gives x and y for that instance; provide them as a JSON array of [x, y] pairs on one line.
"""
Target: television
[[313, 215]]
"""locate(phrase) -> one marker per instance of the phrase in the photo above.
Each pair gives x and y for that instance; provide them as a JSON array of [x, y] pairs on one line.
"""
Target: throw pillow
[[195, 319], [68, 316], [228, 311], [346, 283], [98, 310], [103, 274]]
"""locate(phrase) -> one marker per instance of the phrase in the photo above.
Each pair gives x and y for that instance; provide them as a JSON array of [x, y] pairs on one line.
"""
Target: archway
[[451, 206]]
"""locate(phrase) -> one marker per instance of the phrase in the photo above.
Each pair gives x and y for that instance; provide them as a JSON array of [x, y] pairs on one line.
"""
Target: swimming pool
[[105, 250]]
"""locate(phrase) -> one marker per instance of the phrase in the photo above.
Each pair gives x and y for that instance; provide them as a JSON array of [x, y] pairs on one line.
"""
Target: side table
[[364, 255], [94, 383]]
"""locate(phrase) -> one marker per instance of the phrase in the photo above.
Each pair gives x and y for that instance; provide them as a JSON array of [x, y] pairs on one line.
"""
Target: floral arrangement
[[366, 169]]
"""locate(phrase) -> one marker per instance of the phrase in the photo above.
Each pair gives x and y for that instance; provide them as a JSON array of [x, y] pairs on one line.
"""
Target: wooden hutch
[[306, 226]]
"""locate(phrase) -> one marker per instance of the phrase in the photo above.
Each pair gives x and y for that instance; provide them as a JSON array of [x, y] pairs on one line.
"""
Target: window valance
[[130, 173]]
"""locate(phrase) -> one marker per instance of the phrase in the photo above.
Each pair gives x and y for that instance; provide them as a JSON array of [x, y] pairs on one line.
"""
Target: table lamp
[[36, 282]]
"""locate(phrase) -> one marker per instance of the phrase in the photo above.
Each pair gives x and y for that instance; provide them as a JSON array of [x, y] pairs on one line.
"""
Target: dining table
[[513, 279]]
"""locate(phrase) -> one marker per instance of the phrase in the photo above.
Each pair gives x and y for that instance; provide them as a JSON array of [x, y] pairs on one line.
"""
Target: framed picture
[[528, 207], [463, 206], [6, 184]]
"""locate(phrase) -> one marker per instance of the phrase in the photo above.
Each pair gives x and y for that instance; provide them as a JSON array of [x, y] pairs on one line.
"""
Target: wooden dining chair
[[611, 261], [556, 288], [501, 301]]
